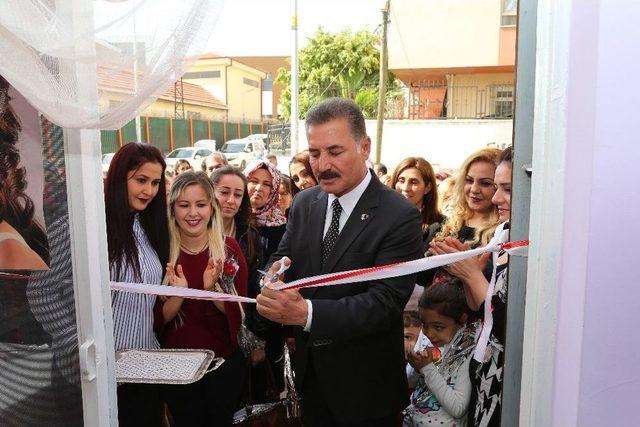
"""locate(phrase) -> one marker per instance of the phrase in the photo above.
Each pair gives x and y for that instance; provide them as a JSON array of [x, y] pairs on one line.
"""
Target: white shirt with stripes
[[133, 313]]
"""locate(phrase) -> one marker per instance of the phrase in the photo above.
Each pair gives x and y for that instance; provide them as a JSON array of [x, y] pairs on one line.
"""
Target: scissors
[[276, 277]]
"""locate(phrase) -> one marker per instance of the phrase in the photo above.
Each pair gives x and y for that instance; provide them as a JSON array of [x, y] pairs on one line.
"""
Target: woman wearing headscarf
[[263, 186]]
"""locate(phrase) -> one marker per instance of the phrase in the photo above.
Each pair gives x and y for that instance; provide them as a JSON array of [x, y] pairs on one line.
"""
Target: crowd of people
[[390, 352]]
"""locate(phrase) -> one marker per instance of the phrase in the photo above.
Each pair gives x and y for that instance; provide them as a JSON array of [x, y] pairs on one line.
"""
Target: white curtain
[[50, 51]]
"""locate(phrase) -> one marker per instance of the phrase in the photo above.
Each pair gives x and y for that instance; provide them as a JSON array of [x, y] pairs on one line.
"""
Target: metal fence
[[441, 100], [279, 139], [168, 133]]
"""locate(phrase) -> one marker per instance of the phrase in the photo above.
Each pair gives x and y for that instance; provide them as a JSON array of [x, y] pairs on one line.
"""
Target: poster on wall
[[23, 238]]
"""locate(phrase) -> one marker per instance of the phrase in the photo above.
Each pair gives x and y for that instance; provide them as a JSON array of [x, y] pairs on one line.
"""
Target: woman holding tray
[[202, 258], [136, 214]]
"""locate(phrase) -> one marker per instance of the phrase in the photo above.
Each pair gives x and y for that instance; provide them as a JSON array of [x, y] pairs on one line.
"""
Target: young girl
[[202, 258], [136, 214], [441, 370]]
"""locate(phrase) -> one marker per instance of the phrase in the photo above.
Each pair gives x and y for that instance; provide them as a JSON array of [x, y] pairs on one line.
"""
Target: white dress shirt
[[348, 202]]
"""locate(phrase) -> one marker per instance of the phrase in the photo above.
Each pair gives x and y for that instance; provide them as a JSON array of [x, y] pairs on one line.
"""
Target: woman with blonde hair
[[200, 257], [473, 218]]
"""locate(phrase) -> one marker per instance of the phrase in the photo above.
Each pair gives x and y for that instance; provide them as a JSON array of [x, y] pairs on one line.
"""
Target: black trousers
[[139, 405], [213, 399], [316, 411]]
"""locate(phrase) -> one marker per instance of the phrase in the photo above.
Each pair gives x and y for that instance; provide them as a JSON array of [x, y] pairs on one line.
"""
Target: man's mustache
[[329, 174]]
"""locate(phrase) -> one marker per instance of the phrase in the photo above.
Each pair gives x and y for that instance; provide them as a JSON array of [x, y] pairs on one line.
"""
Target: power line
[[404, 49]]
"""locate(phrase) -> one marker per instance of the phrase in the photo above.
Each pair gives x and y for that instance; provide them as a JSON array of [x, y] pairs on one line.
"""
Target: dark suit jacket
[[356, 336]]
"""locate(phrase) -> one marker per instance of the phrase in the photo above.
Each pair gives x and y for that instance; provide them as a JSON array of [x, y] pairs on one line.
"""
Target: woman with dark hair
[[286, 192], [137, 238], [301, 172], [415, 180], [231, 191], [181, 166], [23, 242]]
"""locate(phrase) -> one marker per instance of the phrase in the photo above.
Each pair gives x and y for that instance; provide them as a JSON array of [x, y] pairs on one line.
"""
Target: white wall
[[581, 331], [444, 143], [443, 34]]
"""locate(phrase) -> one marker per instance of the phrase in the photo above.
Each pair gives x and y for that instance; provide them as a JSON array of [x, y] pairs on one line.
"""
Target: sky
[[263, 27], [243, 27]]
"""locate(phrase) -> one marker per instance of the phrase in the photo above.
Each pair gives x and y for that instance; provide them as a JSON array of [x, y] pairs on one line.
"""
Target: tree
[[342, 64]]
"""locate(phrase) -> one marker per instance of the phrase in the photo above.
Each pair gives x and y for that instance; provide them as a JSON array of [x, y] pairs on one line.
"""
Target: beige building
[[271, 91], [457, 58], [237, 85], [116, 87]]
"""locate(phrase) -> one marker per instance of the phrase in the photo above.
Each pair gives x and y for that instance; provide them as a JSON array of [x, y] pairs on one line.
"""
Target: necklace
[[192, 252], [231, 231]]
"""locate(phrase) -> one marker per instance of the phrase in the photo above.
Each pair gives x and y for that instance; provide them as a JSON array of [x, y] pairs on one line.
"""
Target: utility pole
[[135, 70], [382, 87], [293, 135]]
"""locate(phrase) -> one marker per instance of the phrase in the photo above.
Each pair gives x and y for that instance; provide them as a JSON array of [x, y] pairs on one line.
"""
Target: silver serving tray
[[164, 366]]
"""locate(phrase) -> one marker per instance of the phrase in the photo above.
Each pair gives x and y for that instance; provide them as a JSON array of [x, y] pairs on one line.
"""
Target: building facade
[[236, 84], [456, 59]]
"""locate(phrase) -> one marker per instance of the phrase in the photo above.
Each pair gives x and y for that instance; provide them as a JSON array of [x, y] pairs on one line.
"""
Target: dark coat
[[356, 336]]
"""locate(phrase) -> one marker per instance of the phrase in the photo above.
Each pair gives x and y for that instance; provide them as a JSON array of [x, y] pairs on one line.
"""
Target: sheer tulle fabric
[[56, 53]]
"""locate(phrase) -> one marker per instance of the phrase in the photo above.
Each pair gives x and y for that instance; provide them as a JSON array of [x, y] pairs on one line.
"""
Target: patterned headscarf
[[270, 214]]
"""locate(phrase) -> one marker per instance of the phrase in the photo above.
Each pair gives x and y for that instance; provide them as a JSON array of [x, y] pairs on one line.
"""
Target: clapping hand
[[465, 270], [212, 273], [175, 276]]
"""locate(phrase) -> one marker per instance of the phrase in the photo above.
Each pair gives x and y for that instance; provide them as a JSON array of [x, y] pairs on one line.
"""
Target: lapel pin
[[364, 217]]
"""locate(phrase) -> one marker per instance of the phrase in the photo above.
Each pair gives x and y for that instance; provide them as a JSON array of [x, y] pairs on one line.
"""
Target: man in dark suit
[[349, 359]]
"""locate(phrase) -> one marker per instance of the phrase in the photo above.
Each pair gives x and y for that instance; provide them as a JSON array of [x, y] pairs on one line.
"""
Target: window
[[509, 13], [202, 75], [504, 101], [250, 82]]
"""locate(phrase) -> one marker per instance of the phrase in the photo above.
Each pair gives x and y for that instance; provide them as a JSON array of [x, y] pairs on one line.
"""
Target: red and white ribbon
[[404, 268], [352, 276], [498, 243], [176, 291]]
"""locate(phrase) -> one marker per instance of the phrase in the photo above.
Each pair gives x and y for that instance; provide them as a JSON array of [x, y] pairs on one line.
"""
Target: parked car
[[106, 161], [206, 143], [239, 152], [194, 155]]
